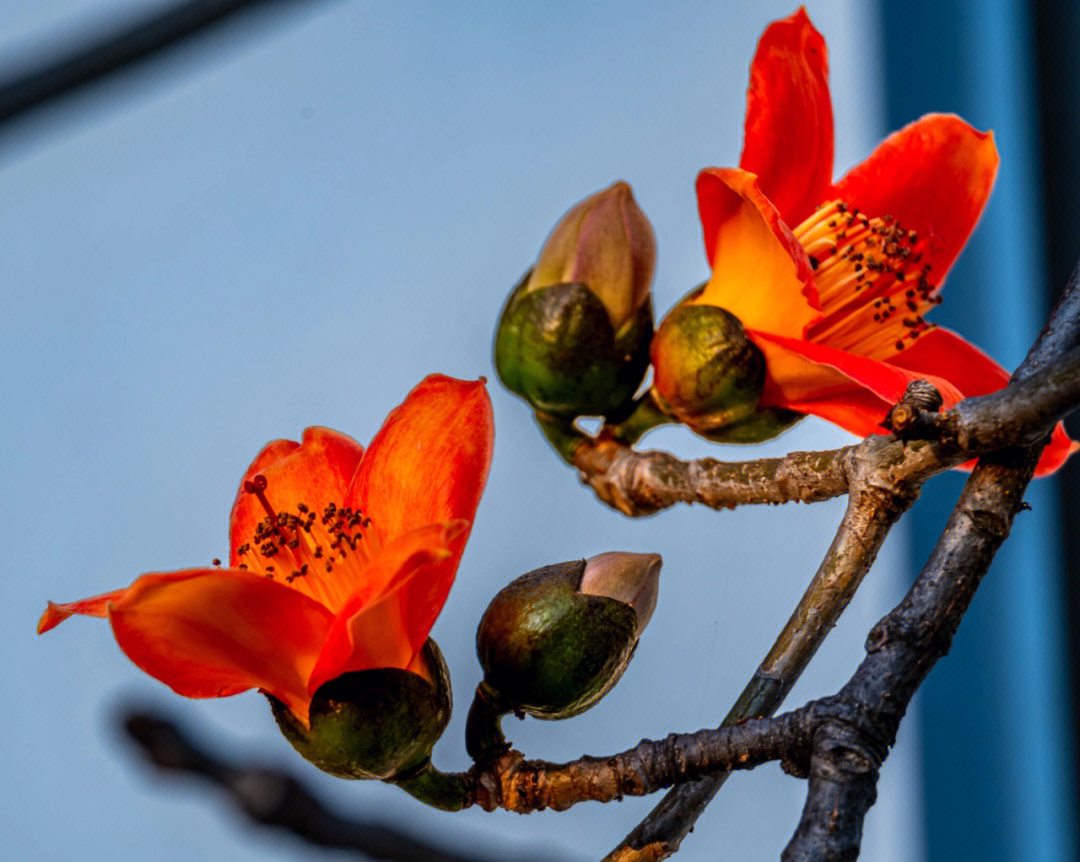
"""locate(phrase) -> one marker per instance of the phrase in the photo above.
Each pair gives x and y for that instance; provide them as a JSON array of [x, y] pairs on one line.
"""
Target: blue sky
[[291, 224]]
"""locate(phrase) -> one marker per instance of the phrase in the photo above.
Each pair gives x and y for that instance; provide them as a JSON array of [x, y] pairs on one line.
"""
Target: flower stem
[[442, 790], [484, 738], [645, 416], [563, 436]]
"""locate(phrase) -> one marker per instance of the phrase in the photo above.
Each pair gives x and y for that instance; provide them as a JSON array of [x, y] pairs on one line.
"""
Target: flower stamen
[[873, 288], [320, 552]]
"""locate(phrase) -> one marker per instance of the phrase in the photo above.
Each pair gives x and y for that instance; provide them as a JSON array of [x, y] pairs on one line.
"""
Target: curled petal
[[429, 461], [788, 139], [934, 176], [387, 619], [96, 606], [317, 470], [214, 632], [851, 391], [761, 273]]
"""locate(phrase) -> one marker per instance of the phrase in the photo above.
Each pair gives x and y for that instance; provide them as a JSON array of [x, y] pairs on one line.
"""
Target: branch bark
[[1042, 391], [904, 646]]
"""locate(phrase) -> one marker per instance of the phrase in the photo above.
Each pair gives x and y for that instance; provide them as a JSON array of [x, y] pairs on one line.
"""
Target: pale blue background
[[291, 223]]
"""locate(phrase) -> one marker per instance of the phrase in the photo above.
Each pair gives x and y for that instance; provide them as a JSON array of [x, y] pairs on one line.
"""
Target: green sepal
[[379, 723], [764, 424], [555, 347], [549, 650]]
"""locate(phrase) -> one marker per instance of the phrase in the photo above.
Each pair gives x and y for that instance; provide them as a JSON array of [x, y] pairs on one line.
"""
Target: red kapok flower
[[832, 280], [340, 559]]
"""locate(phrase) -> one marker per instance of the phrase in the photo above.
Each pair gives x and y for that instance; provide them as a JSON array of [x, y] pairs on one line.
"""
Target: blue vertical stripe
[[995, 712]]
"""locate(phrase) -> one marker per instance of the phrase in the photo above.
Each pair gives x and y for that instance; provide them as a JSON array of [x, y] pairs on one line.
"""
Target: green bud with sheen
[[379, 723], [555, 640], [573, 338], [709, 375]]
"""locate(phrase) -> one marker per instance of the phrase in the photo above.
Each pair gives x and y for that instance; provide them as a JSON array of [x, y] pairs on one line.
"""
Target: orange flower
[[340, 559], [833, 280]]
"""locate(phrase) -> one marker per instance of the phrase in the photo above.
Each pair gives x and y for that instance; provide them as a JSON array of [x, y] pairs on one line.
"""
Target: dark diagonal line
[[135, 42]]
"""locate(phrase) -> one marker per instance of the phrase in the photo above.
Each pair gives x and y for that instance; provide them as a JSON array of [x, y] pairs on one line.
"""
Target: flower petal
[[1057, 451], [387, 619], [429, 461], [947, 354], [934, 176], [851, 391], [761, 273], [95, 606], [215, 632], [317, 471], [788, 138]]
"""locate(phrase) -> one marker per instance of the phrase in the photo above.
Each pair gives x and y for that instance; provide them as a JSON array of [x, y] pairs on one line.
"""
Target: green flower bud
[[554, 641], [379, 723], [709, 375], [573, 338]]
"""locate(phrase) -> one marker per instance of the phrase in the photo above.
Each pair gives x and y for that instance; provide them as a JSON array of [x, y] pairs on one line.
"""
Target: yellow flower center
[[872, 284], [320, 551]]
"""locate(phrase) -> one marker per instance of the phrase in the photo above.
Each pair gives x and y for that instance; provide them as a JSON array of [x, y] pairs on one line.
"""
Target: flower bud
[[573, 337], [379, 723], [555, 640], [709, 375]]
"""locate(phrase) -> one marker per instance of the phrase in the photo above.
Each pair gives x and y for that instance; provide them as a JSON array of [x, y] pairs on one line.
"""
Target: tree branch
[[1039, 395], [901, 650], [641, 483], [532, 785], [905, 645], [882, 488]]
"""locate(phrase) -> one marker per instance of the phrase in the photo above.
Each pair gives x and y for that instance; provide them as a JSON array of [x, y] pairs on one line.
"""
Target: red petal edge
[[934, 176], [788, 138]]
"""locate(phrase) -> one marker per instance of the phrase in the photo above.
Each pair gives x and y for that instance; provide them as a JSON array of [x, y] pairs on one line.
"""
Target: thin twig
[[533, 785], [641, 483]]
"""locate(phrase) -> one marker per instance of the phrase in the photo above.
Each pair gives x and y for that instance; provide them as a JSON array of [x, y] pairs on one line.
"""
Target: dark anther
[[258, 483]]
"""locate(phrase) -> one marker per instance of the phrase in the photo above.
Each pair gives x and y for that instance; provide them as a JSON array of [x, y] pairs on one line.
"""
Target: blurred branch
[[124, 48], [274, 798]]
